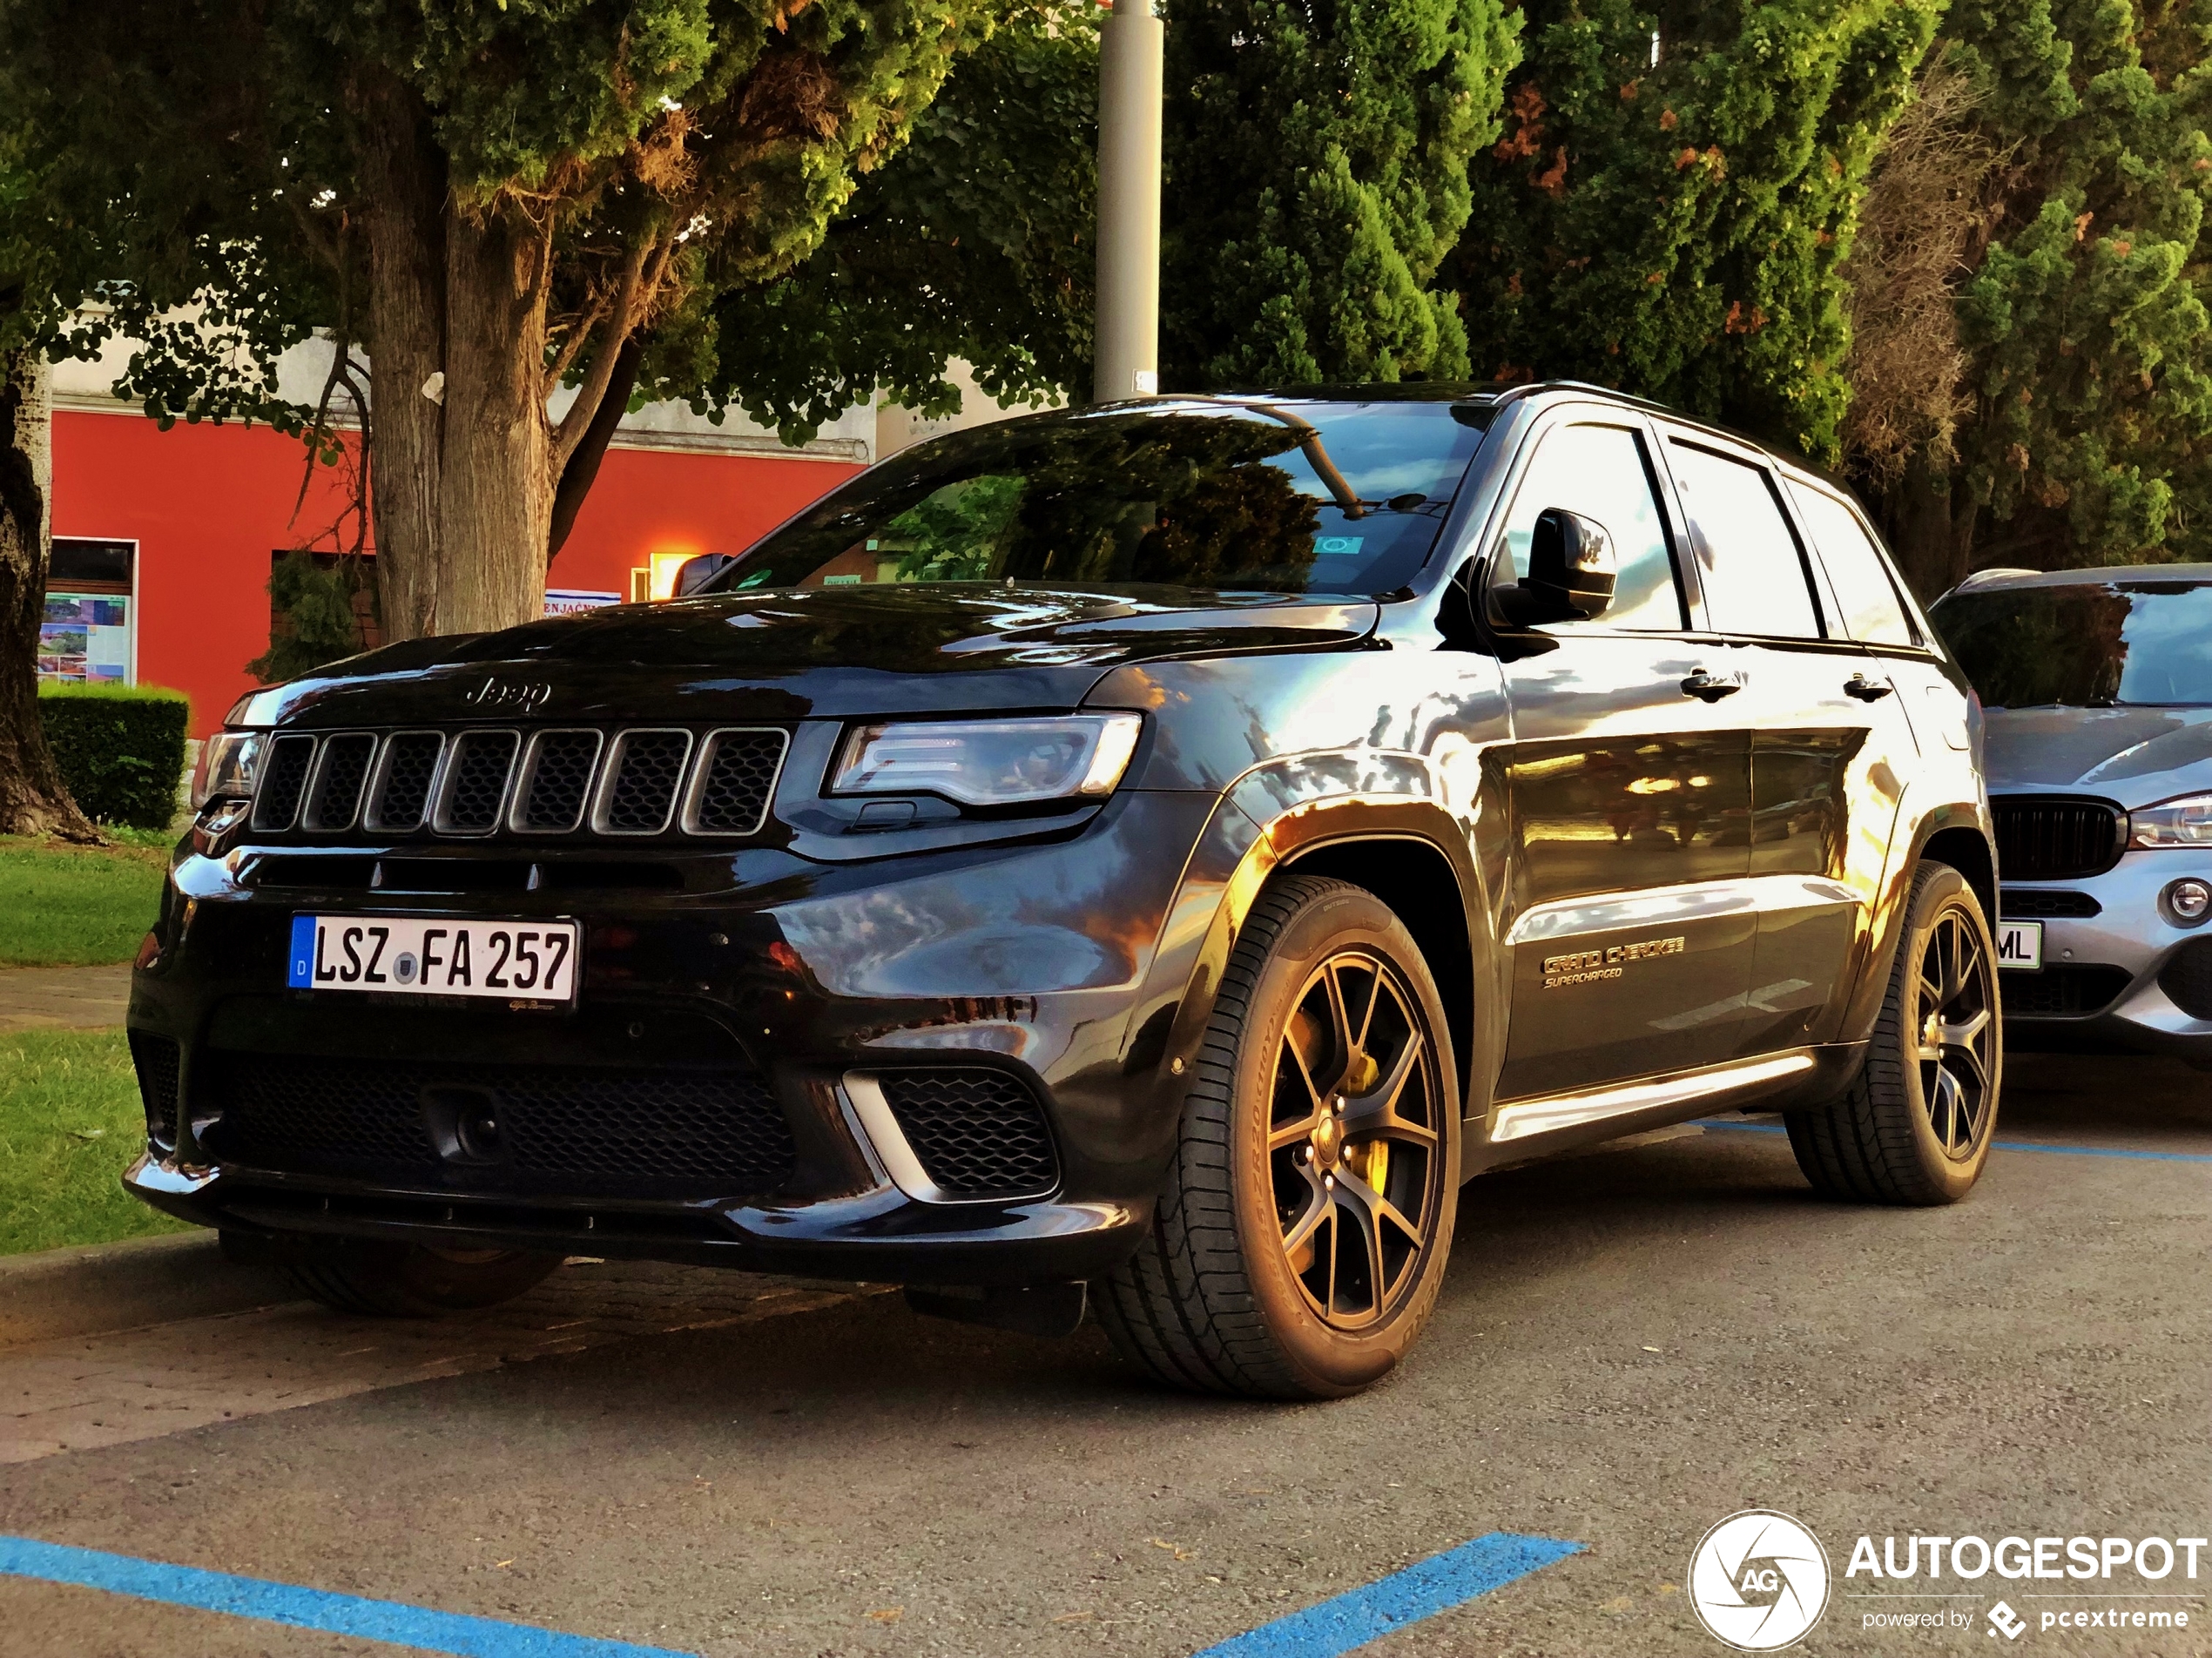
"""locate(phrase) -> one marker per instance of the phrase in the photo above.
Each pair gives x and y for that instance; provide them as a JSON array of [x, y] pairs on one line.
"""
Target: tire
[[1915, 1125], [1234, 1290], [381, 1280]]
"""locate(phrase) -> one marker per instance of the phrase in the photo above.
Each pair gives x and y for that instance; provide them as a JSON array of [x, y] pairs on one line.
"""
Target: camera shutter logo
[[1758, 1580]]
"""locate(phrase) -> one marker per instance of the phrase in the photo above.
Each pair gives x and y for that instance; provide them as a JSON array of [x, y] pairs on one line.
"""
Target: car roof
[[1994, 580]]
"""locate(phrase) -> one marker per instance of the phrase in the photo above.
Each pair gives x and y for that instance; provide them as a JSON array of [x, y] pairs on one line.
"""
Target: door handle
[[1712, 687], [1867, 690]]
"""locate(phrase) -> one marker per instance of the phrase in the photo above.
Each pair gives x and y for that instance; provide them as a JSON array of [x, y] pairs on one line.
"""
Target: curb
[[96, 1289]]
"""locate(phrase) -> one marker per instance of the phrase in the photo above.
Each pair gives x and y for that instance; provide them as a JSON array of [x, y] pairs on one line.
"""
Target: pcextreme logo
[[1758, 1580]]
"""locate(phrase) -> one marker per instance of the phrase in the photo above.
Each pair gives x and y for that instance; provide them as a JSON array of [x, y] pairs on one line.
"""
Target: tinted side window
[[1753, 578], [1601, 472], [1872, 612]]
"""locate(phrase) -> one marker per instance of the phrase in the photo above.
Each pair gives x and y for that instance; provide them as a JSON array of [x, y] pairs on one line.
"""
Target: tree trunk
[[33, 798], [404, 181], [495, 484], [1930, 518], [576, 477]]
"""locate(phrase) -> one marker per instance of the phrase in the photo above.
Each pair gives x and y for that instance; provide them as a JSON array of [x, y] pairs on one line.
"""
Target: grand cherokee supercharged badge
[[1586, 966]]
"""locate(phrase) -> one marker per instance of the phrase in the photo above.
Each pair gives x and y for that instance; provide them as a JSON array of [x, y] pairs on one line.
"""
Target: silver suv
[[2098, 688]]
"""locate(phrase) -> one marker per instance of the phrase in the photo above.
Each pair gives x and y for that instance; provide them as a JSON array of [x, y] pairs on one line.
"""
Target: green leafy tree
[[493, 199], [1316, 176], [974, 242], [1674, 191], [2083, 389], [34, 798]]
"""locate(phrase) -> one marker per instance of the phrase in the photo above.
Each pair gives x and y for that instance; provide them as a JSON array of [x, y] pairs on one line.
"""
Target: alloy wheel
[[1957, 1005], [1353, 1140]]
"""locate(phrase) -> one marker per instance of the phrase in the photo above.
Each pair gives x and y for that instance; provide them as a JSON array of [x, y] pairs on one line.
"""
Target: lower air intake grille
[[978, 1133], [2187, 978], [2042, 837], [2061, 993], [155, 1060], [588, 1131], [2024, 903]]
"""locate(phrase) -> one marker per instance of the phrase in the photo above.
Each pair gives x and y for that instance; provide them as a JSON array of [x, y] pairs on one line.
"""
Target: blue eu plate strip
[[303, 952], [287, 1603], [1422, 1590], [2000, 1145]]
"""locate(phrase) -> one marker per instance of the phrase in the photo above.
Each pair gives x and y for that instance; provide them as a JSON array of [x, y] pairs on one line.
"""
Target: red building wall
[[208, 504]]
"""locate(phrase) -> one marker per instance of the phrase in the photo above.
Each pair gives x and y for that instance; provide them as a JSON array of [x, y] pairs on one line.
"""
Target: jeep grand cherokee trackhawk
[[1160, 850]]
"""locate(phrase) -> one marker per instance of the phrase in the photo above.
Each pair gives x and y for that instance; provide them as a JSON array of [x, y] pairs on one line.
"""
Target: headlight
[[2185, 822], [990, 762], [228, 761]]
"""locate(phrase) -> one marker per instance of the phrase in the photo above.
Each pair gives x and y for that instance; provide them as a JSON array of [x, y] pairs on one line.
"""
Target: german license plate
[[414, 955], [2019, 944]]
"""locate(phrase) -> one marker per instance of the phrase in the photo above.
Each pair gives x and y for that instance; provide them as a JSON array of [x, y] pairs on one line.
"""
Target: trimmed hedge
[[121, 749]]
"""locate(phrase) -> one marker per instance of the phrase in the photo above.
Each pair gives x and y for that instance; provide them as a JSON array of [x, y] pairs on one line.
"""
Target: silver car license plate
[[414, 955]]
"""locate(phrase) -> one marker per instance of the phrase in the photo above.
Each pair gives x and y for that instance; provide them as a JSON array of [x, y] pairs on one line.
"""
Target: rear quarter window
[[1872, 612]]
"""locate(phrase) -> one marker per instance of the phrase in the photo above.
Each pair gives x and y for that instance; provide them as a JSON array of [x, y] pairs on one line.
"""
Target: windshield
[[1314, 498], [2085, 645]]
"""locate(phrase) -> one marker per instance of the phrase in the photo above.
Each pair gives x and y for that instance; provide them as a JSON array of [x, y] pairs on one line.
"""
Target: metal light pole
[[1132, 42]]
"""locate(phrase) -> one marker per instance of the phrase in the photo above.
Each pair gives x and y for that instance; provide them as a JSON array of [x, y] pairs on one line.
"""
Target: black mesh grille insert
[[283, 779], [560, 780], [338, 785], [476, 783], [978, 1133], [2017, 904], [741, 769], [410, 761], [2058, 993], [155, 1060], [2187, 978], [2055, 837], [590, 1130], [649, 768]]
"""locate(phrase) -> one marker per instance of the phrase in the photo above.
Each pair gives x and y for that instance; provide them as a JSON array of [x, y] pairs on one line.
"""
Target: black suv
[[1159, 851]]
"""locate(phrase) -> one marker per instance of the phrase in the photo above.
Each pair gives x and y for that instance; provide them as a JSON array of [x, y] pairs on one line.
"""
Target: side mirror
[[695, 573], [1571, 571]]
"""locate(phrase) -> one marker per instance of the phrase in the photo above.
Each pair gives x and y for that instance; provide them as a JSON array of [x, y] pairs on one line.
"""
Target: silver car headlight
[[990, 762], [229, 763], [2185, 822]]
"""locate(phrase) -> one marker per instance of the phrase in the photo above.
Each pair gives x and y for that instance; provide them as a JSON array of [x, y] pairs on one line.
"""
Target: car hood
[[835, 652], [2135, 756]]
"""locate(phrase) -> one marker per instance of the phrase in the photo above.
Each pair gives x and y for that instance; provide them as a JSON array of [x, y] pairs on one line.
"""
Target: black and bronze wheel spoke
[[1352, 1138], [1956, 1034]]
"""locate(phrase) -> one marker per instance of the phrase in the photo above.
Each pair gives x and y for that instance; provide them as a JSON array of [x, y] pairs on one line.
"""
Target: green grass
[[69, 1124], [64, 905]]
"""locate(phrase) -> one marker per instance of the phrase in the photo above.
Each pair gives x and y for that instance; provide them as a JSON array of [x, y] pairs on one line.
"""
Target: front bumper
[[1033, 962], [2126, 979]]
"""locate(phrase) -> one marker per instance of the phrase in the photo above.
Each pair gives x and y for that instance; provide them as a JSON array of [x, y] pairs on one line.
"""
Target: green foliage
[[972, 242], [2091, 364], [71, 1122], [955, 535], [1675, 228], [319, 621], [64, 905], [1316, 176], [121, 749]]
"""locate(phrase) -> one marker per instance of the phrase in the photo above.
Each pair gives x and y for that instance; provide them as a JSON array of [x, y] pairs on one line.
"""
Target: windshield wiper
[[1309, 442]]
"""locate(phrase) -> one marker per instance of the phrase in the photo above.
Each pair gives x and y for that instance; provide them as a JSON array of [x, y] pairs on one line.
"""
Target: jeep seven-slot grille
[[707, 1133], [2042, 837], [491, 780]]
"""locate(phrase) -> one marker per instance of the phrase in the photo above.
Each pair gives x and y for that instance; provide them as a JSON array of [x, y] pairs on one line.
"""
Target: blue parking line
[[2001, 1145], [1422, 1590], [287, 1603]]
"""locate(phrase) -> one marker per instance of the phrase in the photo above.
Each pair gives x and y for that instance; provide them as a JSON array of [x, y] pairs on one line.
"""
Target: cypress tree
[[1315, 175], [1673, 193]]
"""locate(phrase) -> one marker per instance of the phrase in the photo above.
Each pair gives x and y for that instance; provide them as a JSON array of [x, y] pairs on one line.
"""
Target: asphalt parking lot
[[1632, 1344]]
